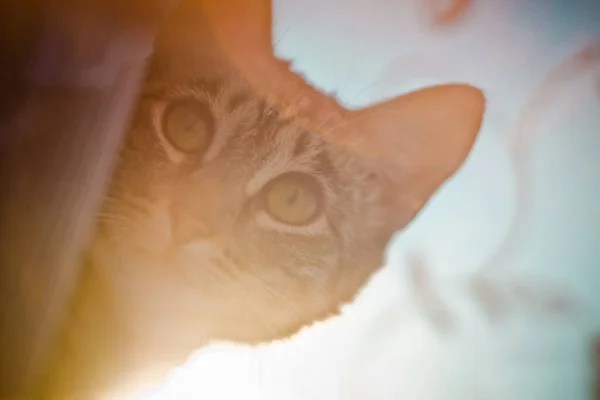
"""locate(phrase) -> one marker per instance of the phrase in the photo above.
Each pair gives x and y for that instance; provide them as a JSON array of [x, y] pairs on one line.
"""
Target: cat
[[232, 217]]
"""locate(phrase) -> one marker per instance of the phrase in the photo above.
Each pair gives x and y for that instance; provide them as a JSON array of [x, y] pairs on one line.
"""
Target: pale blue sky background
[[382, 348]]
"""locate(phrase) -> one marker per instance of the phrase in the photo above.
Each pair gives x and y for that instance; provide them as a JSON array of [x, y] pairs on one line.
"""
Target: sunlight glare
[[207, 374]]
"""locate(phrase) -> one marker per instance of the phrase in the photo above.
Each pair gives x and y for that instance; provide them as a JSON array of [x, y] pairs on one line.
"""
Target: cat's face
[[272, 225], [227, 220]]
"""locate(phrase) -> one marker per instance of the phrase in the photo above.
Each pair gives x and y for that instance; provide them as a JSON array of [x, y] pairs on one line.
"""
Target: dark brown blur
[[70, 71]]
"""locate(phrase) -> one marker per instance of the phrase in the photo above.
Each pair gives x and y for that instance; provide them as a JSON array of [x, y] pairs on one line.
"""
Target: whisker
[[351, 69], [272, 291], [378, 81], [283, 35]]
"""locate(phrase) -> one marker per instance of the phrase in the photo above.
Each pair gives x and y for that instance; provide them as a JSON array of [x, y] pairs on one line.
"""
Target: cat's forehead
[[248, 116], [212, 91], [252, 135]]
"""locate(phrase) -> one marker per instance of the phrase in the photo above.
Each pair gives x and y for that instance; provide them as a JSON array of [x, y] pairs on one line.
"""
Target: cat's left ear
[[419, 139], [212, 39]]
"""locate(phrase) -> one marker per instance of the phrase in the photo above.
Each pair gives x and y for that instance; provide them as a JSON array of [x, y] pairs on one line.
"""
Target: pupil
[[293, 196], [191, 124]]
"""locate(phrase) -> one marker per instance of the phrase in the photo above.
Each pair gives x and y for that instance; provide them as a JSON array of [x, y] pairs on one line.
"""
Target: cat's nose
[[201, 215], [187, 226]]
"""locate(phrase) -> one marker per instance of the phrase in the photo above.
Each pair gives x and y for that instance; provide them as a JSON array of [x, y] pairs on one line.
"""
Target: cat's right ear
[[213, 38], [418, 140]]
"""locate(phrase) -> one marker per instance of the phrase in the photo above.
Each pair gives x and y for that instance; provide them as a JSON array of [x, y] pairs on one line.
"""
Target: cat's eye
[[293, 198], [189, 126]]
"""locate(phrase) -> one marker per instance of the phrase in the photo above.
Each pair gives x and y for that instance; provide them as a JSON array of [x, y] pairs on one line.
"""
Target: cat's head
[[262, 222]]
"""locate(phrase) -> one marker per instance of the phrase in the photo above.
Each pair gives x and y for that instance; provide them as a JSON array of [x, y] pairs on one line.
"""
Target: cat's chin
[[187, 288]]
